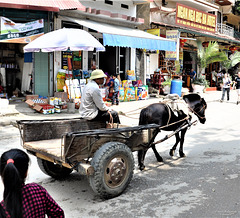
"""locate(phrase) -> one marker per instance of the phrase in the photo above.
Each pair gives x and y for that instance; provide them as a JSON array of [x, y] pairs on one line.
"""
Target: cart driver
[[92, 106]]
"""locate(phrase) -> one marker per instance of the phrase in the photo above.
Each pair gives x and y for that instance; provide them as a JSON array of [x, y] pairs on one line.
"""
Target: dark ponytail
[[13, 170]]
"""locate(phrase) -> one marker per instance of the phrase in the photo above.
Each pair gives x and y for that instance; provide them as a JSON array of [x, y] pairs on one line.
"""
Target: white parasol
[[63, 40]]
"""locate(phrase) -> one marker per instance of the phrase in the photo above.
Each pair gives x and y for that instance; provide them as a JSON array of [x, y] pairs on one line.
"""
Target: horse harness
[[194, 111], [169, 118]]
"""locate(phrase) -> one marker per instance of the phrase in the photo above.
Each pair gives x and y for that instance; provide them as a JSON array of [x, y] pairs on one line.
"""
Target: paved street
[[204, 184]]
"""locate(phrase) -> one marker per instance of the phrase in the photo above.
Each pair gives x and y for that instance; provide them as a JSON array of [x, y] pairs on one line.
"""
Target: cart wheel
[[54, 170], [113, 165]]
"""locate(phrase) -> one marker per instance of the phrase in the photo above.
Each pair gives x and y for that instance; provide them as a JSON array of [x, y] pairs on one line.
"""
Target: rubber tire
[[101, 158], [54, 170]]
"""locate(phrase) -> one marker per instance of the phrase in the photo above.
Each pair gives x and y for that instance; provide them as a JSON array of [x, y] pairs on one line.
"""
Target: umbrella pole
[[49, 75]]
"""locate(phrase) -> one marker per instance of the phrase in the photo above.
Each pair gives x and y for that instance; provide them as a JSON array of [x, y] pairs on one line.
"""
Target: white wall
[[153, 63], [115, 8]]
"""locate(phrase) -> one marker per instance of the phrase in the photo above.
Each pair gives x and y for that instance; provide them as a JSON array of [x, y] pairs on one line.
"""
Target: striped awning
[[45, 5]]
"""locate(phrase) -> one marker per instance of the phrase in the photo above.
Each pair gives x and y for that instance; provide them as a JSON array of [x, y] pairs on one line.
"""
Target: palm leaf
[[226, 64], [235, 59], [216, 57], [210, 54]]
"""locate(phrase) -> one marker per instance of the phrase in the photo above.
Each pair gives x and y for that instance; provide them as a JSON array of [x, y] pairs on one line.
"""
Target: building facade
[[190, 23], [115, 24]]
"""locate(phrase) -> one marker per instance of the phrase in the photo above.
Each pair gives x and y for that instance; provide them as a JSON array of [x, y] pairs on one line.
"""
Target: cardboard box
[[41, 101], [38, 108], [32, 97], [44, 108], [30, 102]]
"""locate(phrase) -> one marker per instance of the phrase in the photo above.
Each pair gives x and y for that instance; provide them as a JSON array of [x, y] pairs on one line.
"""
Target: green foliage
[[226, 64], [177, 67], [200, 80], [234, 60], [167, 82], [207, 56], [210, 55], [236, 8]]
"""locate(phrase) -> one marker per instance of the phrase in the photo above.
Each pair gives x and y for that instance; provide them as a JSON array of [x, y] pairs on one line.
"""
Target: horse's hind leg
[[183, 132], [153, 146], [142, 153], [157, 155], [172, 150]]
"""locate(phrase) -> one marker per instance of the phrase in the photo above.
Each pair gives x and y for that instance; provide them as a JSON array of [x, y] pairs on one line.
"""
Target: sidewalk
[[19, 110]]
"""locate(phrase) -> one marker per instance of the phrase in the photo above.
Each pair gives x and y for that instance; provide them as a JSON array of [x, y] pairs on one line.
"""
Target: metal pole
[[48, 62]]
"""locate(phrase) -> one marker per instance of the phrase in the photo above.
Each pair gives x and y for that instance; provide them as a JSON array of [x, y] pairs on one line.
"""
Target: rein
[[186, 118], [194, 111]]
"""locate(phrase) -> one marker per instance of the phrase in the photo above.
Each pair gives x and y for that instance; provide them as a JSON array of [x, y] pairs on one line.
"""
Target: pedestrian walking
[[20, 199], [226, 86], [115, 90], [237, 84]]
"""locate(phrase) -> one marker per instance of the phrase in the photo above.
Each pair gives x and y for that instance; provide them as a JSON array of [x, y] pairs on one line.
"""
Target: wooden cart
[[104, 155]]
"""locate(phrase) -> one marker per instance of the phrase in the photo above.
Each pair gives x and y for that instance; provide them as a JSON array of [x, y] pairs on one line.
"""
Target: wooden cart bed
[[51, 148]]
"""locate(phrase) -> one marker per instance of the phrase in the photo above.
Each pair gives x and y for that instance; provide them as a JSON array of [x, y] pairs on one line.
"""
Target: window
[[108, 2], [124, 6]]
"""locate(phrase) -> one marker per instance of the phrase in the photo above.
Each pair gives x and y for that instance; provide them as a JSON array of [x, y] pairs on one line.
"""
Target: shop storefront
[[194, 27], [120, 57], [17, 29]]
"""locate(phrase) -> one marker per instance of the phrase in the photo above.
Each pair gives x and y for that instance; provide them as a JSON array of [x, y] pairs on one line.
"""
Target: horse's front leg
[[172, 151], [141, 157], [183, 132]]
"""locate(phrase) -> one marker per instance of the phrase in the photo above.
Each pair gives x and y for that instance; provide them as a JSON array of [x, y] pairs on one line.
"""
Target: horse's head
[[197, 105]]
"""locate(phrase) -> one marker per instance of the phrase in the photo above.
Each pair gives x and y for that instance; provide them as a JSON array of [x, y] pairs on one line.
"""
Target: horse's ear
[[186, 99]]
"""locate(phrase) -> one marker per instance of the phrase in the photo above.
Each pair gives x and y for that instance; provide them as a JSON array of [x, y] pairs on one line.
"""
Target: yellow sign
[[193, 18], [171, 55], [155, 32]]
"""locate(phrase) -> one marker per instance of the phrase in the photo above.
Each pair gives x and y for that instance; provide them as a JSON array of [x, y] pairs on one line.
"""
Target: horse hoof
[[182, 154], [142, 167], [159, 159], [171, 153]]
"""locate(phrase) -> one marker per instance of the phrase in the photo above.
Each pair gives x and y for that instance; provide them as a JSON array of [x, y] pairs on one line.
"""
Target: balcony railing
[[225, 29], [237, 35]]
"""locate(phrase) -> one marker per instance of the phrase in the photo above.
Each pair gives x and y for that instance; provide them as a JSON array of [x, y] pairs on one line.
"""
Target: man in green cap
[[92, 106]]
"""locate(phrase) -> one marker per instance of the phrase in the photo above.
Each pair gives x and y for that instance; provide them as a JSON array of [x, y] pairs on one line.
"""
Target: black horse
[[162, 114]]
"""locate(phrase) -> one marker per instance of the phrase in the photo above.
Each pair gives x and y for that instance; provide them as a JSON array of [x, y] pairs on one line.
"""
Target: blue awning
[[138, 42], [127, 37]]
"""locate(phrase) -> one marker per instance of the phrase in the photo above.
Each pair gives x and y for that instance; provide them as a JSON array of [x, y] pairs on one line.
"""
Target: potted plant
[[205, 57], [199, 84], [166, 85]]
